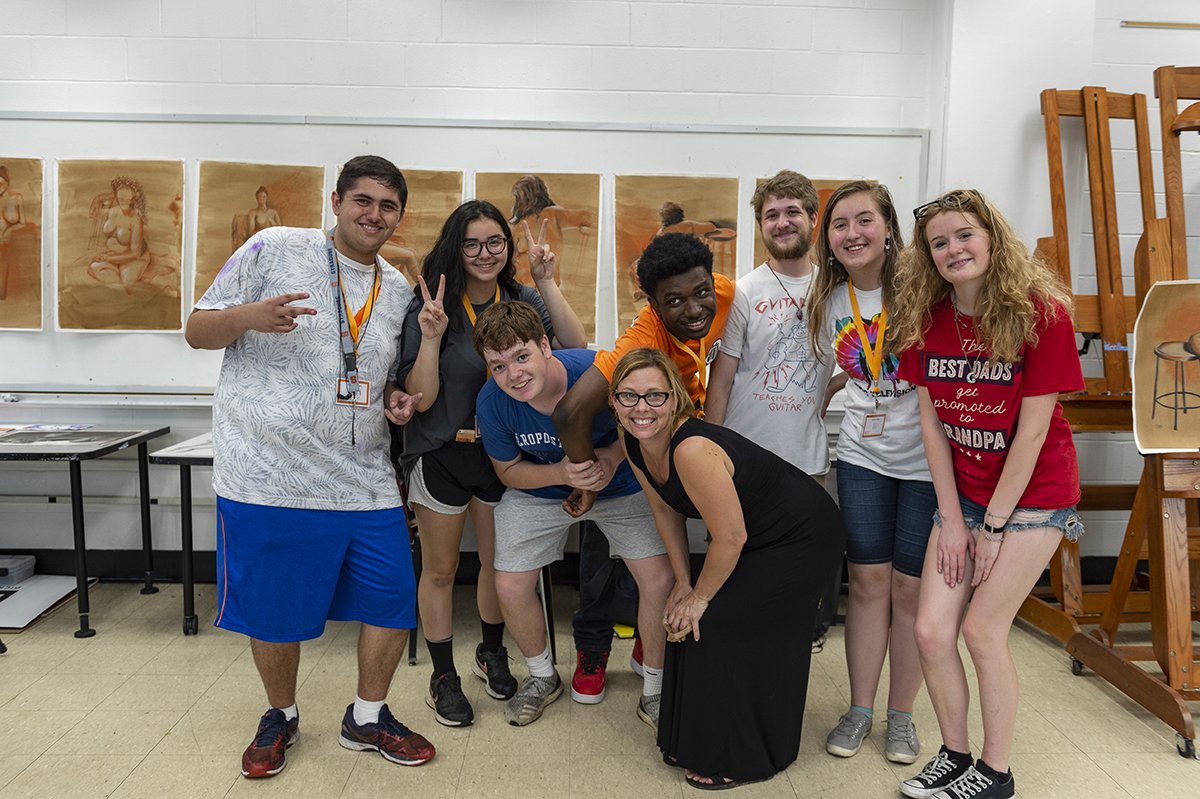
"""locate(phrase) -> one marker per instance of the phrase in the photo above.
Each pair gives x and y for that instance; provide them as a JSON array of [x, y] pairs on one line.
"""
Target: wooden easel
[[1106, 402], [1163, 525]]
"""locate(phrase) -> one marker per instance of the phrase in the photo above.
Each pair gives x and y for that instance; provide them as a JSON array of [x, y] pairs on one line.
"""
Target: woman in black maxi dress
[[733, 690]]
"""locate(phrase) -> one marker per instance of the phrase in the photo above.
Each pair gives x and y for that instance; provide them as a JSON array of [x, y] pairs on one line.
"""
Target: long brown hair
[[831, 273], [1019, 291]]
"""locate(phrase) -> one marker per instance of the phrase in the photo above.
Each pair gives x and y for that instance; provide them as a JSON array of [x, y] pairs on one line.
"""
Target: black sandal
[[718, 783]]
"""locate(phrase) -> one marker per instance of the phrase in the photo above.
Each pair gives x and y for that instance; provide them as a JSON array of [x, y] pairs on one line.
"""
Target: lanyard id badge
[[351, 326], [345, 396], [873, 425], [873, 355]]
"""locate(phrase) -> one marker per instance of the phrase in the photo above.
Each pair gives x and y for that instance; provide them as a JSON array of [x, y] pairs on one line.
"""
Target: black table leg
[[191, 625], [147, 544], [81, 586]]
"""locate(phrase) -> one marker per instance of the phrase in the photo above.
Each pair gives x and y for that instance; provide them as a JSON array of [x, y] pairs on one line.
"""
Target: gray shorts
[[531, 532]]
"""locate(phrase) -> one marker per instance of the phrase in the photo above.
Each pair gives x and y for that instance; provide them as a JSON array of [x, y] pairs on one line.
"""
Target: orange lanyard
[[874, 355], [701, 368], [357, 321], [471, 314]]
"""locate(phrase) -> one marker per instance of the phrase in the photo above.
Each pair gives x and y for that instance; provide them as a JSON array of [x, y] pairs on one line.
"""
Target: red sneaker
[[587, 686], [635, 662], [265, 756]]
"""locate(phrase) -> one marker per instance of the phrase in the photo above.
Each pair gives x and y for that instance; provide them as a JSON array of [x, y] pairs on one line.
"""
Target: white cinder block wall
[[968, 71]]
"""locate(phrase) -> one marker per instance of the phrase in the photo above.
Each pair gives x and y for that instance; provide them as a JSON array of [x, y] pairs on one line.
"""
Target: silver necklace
[[799, 306], [971, 378]]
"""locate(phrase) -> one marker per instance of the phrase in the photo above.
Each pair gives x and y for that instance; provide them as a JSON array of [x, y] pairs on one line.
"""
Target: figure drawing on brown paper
[[238, 199], [1166, 369], [568, 205], [649, 205], [825, 189], [20, 243], [432, 195], [120, 236]]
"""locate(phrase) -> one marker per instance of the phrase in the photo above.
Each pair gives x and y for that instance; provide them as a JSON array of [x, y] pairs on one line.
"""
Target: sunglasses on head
[[957, 200]]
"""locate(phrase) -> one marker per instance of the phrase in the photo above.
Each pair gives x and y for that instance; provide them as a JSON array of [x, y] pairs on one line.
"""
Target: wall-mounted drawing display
[[432, 195], [824, 189], [21, 243], [120, 237], [650, 205], [1166, 369], [569, 206], [237, 200]]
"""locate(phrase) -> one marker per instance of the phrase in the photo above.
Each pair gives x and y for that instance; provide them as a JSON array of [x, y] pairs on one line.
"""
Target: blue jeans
[[1065, 519], [887, 520]]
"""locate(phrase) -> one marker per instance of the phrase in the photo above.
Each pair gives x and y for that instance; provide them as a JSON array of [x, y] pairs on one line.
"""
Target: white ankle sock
[[289, 713], [367, 712], [540, 666], [651, 681]]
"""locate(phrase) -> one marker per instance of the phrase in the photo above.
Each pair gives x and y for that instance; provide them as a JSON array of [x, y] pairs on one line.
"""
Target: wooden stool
[[1179, 355]]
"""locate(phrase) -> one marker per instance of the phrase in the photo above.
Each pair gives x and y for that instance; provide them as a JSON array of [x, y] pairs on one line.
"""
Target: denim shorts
[[1065, 519], [888, 520]]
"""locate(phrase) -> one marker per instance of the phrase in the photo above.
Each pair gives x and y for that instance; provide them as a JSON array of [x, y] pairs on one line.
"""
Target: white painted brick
[[906, 5], [673, 109], [487, 22], [472, 66], [764, 109], [634, 69], [1123, 78], [672, 24], [864, 112], [490, 103], [1147, 10], [774, 27], [917, 31], [899, 75], [40, 17], [588, 106], [300, 19], [730, 71], [358, 63], [1152, 47], [815, 73], [858, 31], [583, 23], [726, 2], [79, 58], [222, 19], [35, 95], [127, 18], [266, 61], [210, 98], [410, 21], [914, 113], [174, 60], [17, 63], [118, 98]]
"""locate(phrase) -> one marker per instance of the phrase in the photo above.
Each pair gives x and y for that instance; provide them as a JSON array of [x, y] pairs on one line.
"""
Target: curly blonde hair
[[830, 272], [1020, 292]]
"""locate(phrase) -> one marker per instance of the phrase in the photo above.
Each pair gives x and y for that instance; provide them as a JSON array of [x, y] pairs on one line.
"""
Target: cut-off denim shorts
[[1065, 519]]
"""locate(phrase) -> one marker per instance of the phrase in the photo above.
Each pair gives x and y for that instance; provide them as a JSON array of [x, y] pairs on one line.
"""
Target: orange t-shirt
[[692, 357]]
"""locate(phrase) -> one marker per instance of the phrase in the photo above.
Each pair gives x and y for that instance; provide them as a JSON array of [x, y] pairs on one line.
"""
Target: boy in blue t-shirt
[[532, 520]]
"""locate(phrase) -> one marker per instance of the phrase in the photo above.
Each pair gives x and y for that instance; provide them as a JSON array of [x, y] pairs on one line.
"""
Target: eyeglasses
[[655, 399], [495, 245], [957, 200]]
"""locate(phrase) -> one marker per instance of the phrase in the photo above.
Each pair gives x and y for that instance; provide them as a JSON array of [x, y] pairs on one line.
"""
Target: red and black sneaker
[[388, 737], [587, 686], [266, 755]]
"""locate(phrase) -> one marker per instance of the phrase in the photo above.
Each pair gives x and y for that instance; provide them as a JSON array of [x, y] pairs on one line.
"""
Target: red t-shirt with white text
[[980, 419]]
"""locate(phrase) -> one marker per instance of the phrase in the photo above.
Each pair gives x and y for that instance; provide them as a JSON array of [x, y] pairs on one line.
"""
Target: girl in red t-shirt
[[988, 340]]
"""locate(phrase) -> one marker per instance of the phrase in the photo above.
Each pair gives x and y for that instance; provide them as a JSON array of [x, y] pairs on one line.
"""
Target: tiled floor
[[141, 711]]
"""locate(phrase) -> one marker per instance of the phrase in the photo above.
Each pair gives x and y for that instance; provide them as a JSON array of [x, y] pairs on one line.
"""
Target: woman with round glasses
[[988, 339], [447, 470], [883, 481], [735, 683]]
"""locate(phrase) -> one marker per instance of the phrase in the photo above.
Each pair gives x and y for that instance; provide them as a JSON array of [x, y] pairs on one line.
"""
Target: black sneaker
[[492, 668], [937, 775], [980, 781], [448, 702]]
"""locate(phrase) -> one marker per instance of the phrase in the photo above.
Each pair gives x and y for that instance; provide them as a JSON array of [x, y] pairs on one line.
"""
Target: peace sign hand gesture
[[433, 319], [541, 260]]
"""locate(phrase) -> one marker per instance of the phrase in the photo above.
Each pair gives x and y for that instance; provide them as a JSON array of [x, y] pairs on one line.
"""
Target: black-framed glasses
[[495, 245], [655, 399], [956, 200]]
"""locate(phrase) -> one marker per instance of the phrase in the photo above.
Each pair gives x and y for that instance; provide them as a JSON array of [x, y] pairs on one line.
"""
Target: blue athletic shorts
[[282, 572], [887, 520]]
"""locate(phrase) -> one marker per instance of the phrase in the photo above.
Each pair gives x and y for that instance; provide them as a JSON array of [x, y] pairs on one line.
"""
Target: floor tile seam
[[28, 766], [130, 772], [1050, 720], [1099, 764]]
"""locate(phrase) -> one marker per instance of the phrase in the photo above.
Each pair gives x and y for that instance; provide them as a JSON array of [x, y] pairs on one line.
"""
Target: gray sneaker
[[902, 743], [847, 737], [647, 709], [531, 699]]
